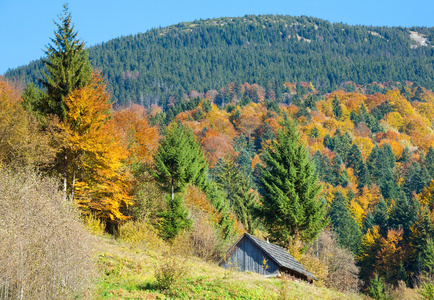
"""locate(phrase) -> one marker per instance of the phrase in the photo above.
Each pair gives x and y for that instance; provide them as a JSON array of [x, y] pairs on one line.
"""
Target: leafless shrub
[[204, 239], [342, 269], [45, 252]]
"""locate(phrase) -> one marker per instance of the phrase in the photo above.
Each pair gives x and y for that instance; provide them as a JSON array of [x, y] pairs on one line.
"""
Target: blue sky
[[27, 25]]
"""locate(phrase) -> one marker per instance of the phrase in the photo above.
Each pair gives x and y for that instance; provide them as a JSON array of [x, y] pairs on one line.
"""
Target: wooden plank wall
[[248, 257]]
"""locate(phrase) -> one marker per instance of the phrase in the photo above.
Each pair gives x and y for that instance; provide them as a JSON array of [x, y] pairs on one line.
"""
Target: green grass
[[127, 272]]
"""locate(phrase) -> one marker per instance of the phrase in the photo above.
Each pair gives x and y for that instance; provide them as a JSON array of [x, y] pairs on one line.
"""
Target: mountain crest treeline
[[150, 68]]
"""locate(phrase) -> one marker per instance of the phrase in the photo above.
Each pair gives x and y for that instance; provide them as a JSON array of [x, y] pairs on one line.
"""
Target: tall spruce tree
[[238, 192], [429, 161], [67, 66], [174, 219], [291, 208], [381, 217], [403, 214], [68, 69], [416, 179], [180, 161], [355, 161], [343, 223]]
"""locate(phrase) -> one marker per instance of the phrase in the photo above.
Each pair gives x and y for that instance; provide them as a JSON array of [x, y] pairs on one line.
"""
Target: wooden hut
[[253, 254]]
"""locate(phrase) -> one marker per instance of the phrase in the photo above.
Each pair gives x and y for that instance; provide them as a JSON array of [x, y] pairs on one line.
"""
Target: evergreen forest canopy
[[162, 65]]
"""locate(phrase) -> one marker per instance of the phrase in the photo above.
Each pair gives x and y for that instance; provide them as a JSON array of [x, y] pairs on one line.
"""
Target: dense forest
[[333, 160], [152, 67]]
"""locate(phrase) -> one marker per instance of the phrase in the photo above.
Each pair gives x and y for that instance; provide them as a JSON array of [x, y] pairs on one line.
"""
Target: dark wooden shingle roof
[[280, 256]]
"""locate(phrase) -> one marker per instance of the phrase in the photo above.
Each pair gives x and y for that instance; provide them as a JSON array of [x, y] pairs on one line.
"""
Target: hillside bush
[[45, 251], [141, 234], [94, 225], [169, 272]]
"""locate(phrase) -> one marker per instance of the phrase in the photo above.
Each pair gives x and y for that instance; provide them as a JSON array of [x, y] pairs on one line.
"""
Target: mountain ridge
[[208, 54]]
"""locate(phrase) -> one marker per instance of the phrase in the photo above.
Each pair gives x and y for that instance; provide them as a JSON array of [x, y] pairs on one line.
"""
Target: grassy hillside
[[148, 68], [127, 272]]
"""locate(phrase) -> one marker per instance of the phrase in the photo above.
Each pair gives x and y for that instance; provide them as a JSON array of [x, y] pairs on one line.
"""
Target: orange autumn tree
[[140, 138], [93, 170]]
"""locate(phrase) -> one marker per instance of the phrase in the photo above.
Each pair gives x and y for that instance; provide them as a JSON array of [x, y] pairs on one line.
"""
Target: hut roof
[[279, 255]]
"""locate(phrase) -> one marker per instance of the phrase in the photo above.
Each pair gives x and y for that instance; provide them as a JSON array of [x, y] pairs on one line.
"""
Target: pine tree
[[426, 260], [355, 161], [405, 156], [337, 110], [32, 99], [416, 179], [180, 160], [380, 217], [291, 208], [422, 233], [429, 161], [174, 219], [67, 66], [403, 214], [342, 144], [238, 191], [343, 223]]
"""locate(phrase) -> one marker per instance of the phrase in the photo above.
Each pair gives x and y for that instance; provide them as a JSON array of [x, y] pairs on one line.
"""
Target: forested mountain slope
[[148, 68]]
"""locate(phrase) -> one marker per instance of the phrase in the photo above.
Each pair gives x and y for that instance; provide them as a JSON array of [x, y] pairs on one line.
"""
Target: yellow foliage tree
[[93, 173], [393, 119], [219, 121], [365, 145], [426, 198], [399, 103], [416, 125]]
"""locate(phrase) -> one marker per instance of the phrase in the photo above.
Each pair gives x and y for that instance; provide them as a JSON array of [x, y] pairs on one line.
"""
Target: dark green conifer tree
[[180, 160], [174, 219], [67, 66], [355, 161], [217, 198], [238, 191], [405, 156], [342, 144], [421, 239], [32, 100], [381, 217], [371, 163], [329, 142], [291, 208], [343, 223], [363, 114], [416, 179], [403, 214], [337, 110], [429, 161]]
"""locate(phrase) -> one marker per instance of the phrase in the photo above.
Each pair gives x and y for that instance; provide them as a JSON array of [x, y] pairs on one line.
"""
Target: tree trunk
[[65, 170]]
